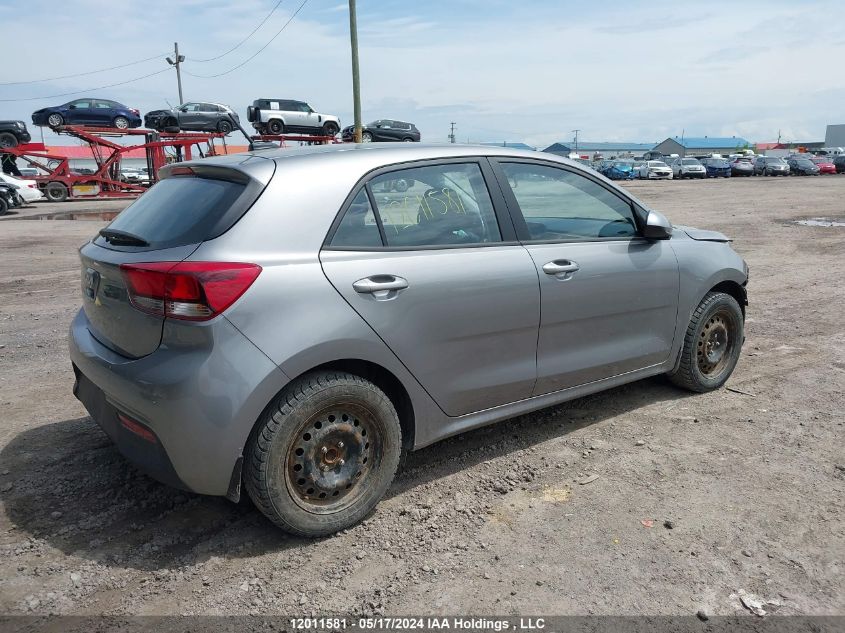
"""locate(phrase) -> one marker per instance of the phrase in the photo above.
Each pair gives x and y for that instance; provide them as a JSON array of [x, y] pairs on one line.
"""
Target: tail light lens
[[192, 291]]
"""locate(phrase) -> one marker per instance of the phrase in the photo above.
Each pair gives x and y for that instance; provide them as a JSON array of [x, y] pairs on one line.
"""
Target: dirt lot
[[750, 484]]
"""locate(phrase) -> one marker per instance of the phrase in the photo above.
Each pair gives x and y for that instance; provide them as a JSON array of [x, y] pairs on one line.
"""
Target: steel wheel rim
[[332, 457], [716, 343]]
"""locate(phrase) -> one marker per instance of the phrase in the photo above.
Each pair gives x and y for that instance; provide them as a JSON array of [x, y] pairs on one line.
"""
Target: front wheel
[[224, 127], [55, 120], [8, 140], [367, 137], [56, 192], [330, 129], [323, 454], [712, 344]]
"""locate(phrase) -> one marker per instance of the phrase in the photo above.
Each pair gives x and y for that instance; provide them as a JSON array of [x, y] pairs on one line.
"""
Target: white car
[[655, 169], [688, 168], [28, 189]]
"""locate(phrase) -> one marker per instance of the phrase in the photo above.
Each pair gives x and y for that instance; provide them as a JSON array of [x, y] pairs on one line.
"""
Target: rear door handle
[[560, 267], [380, 286]]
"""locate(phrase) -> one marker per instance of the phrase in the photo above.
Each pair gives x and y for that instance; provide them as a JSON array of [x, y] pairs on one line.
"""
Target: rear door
[[208, 202], [435, 270], [609, 298]]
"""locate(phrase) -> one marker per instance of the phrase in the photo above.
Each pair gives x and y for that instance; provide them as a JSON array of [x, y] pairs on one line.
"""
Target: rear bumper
[[200, 396]]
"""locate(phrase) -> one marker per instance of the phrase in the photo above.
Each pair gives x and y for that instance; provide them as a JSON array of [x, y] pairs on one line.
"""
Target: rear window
[[180, 210]]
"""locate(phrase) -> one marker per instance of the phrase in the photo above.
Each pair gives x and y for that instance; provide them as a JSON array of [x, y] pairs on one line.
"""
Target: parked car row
[[267, 116], [719, 167], [17, 192]]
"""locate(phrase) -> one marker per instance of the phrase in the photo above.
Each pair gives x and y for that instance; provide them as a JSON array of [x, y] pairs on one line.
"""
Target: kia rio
[[251, 322]]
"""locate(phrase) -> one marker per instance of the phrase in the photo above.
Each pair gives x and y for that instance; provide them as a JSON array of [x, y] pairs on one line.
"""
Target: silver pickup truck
[[287, 116]]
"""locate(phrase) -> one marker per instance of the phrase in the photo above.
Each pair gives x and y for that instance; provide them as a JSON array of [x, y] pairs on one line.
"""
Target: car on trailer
[[13, 133], [384, 131], [196, 116], [289, 116], [90, 112]]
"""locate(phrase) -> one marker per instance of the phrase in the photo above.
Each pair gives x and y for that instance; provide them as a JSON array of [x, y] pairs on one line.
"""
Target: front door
[[442, 282], [609, 298]]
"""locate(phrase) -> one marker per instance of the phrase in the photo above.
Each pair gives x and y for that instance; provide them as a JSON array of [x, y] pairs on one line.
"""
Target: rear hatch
[[191, 204]]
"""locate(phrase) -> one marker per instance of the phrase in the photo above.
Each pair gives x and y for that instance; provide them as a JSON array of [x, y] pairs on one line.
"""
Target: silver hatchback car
[[293, 320]]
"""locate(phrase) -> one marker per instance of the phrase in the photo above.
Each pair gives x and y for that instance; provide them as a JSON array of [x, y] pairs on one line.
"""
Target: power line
[[67, 94], [90, 72], [238, 45], [254, 55]]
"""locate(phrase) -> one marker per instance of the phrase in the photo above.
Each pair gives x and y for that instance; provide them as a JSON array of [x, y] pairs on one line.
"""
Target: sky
[[517, 70]]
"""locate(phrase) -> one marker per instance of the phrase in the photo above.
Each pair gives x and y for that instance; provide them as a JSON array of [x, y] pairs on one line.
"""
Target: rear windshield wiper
[[122, 237]]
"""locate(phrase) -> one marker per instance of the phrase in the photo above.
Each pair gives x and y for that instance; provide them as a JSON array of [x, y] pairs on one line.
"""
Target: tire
[[407, 139], [56, 192], [275, 126], [330, 129], [366, 137], [324, 422], [401, 185], [4, 206], [712, 344], [224, 127], [121, 123], [8, 140], [55, 120]]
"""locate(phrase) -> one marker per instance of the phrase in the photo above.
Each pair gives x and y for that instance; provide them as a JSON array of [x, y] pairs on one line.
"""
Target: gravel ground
[[640, 500]]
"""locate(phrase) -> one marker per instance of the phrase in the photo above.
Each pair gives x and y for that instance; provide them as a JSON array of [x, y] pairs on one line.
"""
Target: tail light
[[192, 291]]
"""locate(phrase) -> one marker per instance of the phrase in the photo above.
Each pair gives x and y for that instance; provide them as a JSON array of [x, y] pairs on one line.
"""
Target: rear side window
[[180, 210], [435, 206], [358, 226]]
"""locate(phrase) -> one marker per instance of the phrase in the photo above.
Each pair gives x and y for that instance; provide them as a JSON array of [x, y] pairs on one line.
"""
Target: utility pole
[[778, 137], [452, 132], [356, 80], [576, 140], [178, 60]]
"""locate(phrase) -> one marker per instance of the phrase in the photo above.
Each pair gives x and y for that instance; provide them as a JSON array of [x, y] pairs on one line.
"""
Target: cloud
[[500, 70]]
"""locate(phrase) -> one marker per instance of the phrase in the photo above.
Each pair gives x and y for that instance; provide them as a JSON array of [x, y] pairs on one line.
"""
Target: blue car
[[619, 170], [717, 167], [92, 112]]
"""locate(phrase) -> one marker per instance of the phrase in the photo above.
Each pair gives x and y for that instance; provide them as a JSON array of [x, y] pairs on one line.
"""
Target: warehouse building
[[835, 136], [607, 150], [701, 145]]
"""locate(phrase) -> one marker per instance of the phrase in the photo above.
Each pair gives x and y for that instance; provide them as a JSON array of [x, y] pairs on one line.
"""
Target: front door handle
[[380, 286], [560, 266]]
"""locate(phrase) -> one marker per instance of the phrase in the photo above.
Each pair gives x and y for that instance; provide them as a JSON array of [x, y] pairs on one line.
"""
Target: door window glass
[[358, 226], [82, 103], [562, 205], [437, 205]]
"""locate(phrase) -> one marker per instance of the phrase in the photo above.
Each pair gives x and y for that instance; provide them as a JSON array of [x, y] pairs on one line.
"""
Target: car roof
[[365, 157]]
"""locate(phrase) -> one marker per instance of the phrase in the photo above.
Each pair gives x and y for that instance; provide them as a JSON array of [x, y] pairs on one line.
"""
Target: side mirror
[[71, 107], [657, 227]]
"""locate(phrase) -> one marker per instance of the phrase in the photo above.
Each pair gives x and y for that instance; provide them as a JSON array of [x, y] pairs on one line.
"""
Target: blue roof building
[[701, 145], [607, 149]]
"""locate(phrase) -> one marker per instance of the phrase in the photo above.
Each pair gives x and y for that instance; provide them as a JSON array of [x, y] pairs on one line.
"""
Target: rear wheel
[[121, 123], [712, 344], [323, 453], [4, 206], [275, 126], [8, 140], [56, 192], [55, 120]]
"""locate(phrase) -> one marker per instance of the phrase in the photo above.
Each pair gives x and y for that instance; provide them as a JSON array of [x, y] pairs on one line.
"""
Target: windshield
[[775, 161], [717, 162], [657, 163], [690, 161]]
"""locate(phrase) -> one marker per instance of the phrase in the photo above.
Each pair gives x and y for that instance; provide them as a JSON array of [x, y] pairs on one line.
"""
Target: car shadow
[[67, 485]]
